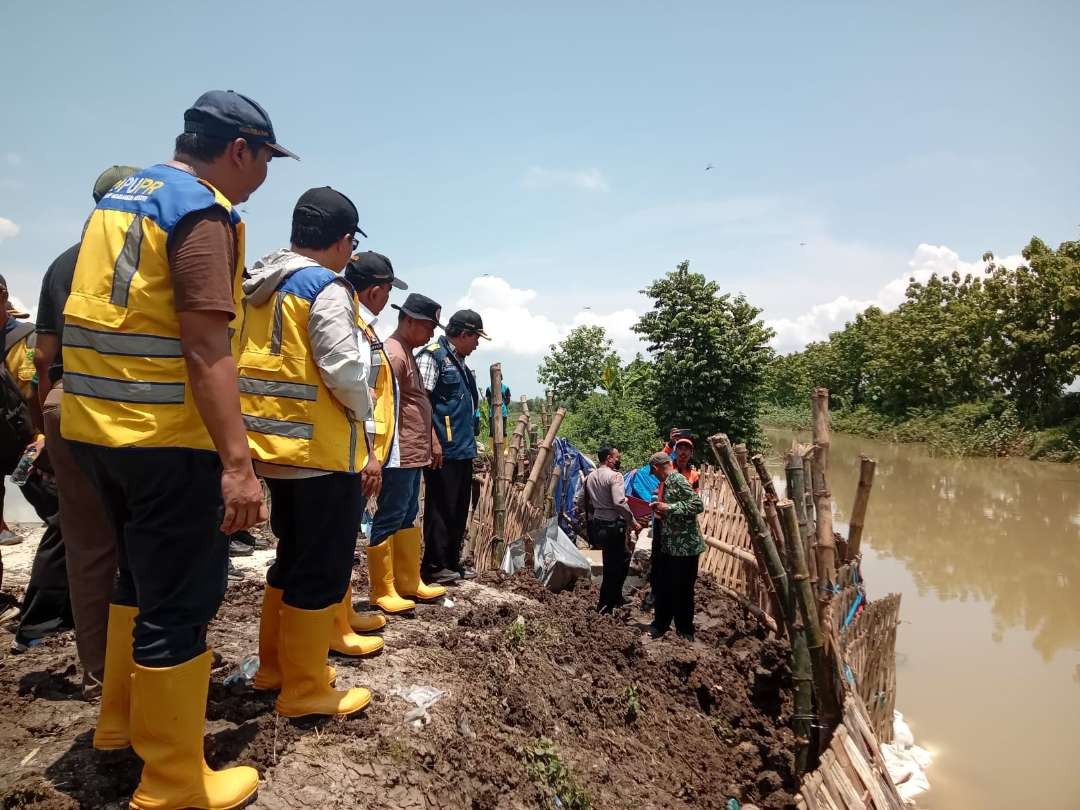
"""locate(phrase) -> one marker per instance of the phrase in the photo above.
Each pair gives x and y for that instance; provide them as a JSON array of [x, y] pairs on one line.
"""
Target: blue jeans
[[399, 501]]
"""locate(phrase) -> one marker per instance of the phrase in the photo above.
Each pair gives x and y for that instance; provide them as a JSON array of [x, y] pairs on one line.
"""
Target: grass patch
[[547, 769]]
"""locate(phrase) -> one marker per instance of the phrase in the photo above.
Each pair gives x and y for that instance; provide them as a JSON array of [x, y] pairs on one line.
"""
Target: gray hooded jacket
[[333, 335]]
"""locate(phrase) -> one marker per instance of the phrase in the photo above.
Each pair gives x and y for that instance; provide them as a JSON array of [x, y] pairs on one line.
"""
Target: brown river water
[[986, 553]]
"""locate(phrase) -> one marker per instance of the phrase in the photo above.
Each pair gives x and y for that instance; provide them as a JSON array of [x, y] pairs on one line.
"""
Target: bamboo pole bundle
[[828, 706], [771, 499], [867, 466], [514, 453], [796, 489], [760, 535], [499, 491], [543, 454]]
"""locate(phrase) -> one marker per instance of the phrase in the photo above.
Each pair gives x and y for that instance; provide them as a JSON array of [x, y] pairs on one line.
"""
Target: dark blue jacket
[[453, 402]]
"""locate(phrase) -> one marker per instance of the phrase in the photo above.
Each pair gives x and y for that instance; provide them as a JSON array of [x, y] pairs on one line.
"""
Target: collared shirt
[[678, 532], [414, 424], [607, 495]]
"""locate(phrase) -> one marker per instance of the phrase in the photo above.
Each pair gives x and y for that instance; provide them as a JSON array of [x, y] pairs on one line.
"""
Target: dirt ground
[[557, 708]]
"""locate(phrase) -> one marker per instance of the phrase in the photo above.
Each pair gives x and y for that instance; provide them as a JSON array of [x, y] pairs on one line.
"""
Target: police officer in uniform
[[151, 407], [304, 393], [452, 387]]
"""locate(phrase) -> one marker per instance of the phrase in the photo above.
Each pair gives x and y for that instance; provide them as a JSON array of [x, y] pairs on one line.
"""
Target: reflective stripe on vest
[[292, 418], [381, 381], [127, 378]]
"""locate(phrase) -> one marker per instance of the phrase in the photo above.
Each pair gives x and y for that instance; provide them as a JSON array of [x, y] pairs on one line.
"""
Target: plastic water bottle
[[22, 469]]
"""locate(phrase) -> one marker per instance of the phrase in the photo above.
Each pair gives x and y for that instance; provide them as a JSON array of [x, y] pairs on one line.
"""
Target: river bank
[[984, 551], [971, 430], [544, 704]]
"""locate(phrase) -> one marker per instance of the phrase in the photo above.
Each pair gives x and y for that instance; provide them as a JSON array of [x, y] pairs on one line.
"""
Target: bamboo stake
[[796, 489], [828, 707], [734, 551], [760, 535], [553, 484], [542, 454], [515, 449], [771, 499], [825, 547], [743, 456], [858, 511], [499, 487], [819, 405], [750, 607]]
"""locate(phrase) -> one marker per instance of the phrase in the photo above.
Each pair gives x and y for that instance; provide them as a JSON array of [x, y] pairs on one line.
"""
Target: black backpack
[[16, 426]]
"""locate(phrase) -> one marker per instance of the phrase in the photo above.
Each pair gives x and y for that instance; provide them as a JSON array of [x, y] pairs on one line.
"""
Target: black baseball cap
[[369, 268], [329, 209], [421, 307], [227, 115], [468, 321]]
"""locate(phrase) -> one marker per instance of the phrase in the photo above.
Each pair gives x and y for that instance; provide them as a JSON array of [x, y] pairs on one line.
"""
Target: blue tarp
[[573, 463], [641, 483]]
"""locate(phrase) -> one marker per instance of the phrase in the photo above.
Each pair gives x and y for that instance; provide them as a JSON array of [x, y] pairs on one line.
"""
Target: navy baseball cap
[[421, 307], [227, 115], [370, 268], [468, 320]]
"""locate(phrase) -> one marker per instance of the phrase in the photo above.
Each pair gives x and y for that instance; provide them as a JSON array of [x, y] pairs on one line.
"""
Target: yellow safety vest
[[19, 359], [291, 416], [381, 381], [125, 379]]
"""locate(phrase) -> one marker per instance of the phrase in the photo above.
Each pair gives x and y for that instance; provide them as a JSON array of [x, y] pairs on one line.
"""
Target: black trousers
[[610, 536], [316, 521], [165, 505], [446, 513], [46, 607], [673, 591]]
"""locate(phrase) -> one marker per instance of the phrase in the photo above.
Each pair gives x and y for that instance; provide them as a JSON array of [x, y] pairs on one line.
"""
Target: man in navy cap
[[454, 399], [151, 408], [394, 546]]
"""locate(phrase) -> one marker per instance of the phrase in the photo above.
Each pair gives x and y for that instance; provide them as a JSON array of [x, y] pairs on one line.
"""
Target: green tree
[[1036, 339], [620, 421], [574, 368], [710, 353]]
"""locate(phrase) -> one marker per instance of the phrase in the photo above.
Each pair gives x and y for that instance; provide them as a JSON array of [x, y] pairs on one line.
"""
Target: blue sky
[[544, 164]]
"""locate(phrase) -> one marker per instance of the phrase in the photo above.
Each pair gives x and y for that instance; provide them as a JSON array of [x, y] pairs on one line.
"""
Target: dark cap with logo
[[109, 178], [468, 321], [228, 115], [421, 307], [327, 209], [370, 268]]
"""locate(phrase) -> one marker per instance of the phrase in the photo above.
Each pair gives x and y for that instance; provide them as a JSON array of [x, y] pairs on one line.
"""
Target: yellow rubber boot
[[407, 566], [113, 729], [168, 713], [303, 656], [269, 675], [342, 638], [381, 574], [362, 622]]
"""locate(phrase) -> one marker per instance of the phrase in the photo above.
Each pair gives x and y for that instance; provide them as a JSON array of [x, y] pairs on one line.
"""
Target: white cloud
[[584, 179], [13, 159], [8, 229], [516, 327], [821, 319]]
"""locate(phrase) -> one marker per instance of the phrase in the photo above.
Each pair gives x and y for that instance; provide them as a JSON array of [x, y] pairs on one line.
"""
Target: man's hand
[[659, 509], [39, 443], [436, 455], [243, 496], [371, 477]]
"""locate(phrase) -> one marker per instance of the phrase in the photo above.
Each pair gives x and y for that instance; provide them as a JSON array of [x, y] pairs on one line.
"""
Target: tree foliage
[[1006, 334], [574, 368], [710, 352]]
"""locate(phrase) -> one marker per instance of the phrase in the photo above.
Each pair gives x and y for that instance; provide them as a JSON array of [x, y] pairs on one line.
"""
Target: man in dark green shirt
[[677, 536]]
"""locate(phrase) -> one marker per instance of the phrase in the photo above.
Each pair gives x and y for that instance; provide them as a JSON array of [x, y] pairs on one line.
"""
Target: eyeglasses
[[355, 244]]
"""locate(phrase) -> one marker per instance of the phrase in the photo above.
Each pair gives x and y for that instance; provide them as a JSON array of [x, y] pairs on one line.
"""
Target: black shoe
[[685, 634], [234, 572], [648, 602], [443, 576], [656, 632], [239, 548], [466, 572]]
